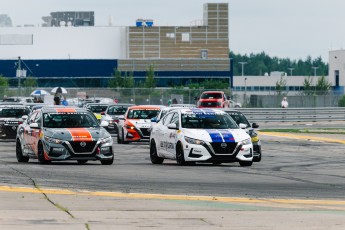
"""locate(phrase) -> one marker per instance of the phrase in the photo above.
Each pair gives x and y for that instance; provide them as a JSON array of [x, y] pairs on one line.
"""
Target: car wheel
[[155, 159], [40, 153], [257, 159], [123, 138], [107, 162], [246, 163], [81, 162], [19, 153], [180, 155], [119, 141]]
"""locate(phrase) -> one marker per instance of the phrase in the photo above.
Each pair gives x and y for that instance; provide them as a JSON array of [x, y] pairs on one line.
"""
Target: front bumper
[[68, 151], [212, 152]]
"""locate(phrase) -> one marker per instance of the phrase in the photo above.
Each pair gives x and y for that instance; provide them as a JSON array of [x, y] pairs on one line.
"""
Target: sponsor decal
[[65, 110], [203, 113], [167, 145], [172, 135], [220, 135], [80, 134]]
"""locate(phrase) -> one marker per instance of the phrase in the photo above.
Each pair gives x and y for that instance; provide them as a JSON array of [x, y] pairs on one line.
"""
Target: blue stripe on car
[[218, 136]]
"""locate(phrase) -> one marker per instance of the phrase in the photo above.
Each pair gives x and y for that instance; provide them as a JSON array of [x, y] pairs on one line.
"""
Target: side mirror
[[172, 126], [104, 124], [34, 126], [25, 117], [121, 118], [242, 126], [228, 97], [154, 119], [103, 113], [255, 126]]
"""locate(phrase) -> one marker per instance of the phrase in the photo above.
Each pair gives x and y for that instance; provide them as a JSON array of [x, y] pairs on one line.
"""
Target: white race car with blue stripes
[[200, 135]]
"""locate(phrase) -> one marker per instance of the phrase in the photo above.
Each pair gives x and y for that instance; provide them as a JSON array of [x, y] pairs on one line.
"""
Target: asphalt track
[[299, 177]]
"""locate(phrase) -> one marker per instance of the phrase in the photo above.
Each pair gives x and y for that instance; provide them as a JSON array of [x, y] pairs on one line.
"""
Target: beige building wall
[[337, 66], [209, 41]]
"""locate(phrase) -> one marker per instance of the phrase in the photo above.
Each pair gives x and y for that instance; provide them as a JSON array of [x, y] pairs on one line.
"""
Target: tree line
[[261, 64]]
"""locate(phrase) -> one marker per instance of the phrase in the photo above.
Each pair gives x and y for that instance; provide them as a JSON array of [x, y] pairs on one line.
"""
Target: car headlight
[[194, 141], [106, 140], [246, 142], [53, 140], [130, 127]]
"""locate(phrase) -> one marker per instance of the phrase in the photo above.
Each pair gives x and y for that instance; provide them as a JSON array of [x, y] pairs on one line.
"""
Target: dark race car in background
[[113, 114], [10, 118], [56, 134]]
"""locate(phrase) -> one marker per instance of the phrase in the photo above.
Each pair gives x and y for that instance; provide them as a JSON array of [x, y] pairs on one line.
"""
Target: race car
[[112, 115], [243, 122], [200, 135], [135, 125], [11, 118], [97, 109], [68, 133]]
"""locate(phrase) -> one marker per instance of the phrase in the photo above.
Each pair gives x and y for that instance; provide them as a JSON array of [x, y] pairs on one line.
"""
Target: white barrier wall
[[63, 43]]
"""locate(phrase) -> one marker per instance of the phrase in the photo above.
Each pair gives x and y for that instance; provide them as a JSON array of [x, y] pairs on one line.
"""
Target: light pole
[[291, 70], [19, 74], [242, 63], [245, 91], [315, 68]]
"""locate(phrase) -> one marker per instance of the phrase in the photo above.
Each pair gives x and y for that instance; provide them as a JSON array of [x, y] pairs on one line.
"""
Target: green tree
[[323, 86], [280, 85], [150, 77], [130, 83], [30, 82], [3, 85], [116, 80], [341, 102], [308, 86]]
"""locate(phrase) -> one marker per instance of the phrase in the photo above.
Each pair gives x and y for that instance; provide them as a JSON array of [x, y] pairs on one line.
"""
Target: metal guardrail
[[294, 114]]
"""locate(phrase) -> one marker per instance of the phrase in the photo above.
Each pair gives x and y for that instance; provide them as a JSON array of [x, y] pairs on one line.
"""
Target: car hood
[[217, 135], [77, 134]]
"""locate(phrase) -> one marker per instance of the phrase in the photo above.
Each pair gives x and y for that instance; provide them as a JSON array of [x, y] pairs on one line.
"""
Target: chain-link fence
[[161, 96]]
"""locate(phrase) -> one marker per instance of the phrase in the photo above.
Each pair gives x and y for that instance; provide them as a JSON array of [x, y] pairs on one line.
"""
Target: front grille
[[77, 148], [145, 131], [209, 104], [229, 149]]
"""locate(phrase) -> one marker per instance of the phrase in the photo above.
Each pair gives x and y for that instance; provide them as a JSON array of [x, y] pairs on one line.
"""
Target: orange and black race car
[[136, 124], [56, 134]]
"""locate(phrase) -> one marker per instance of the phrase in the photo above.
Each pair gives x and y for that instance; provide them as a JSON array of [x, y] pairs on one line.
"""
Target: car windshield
[[208, 121], [69, 120], [14, 112], [97, 108], [142, 113], [239, 118], [211, 96], [117, 110]]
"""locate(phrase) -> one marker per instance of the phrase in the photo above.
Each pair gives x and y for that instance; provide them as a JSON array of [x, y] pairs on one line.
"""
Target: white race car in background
[[200, 135]]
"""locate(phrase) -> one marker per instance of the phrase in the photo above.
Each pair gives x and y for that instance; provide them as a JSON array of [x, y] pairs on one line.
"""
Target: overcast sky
[[282, 28]]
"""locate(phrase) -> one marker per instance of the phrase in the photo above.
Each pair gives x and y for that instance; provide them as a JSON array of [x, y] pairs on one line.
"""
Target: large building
[[87, 56]]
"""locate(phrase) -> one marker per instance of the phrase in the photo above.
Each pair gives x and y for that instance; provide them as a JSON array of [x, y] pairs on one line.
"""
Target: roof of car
[[213, 92], [146, 107], [62, 109]]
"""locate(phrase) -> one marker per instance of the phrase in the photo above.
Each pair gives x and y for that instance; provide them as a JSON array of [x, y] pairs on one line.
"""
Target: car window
[[117, 110], [142, 113], [239, 118], [97, 108], [69, 120], [211, 96], [208, 121], [167, 119], [175, 119], [14, 112]]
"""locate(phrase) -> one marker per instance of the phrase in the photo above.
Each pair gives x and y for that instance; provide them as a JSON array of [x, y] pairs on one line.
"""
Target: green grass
[[321, 131]]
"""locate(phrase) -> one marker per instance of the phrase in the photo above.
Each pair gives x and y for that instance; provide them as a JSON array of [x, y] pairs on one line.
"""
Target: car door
[[35, 133], [27, 135], [163, 132], [171, 136]]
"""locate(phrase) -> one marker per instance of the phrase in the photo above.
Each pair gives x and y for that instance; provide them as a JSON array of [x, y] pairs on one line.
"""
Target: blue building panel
[[60, 68]]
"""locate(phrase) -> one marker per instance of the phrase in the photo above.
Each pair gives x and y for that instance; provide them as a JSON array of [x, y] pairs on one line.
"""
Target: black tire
[[19, 153], [40, 154], [257, 159], [107, 162], [123, 138], [81, 162], [119, 141], [155, 159], [246, 163], [180, 155]]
